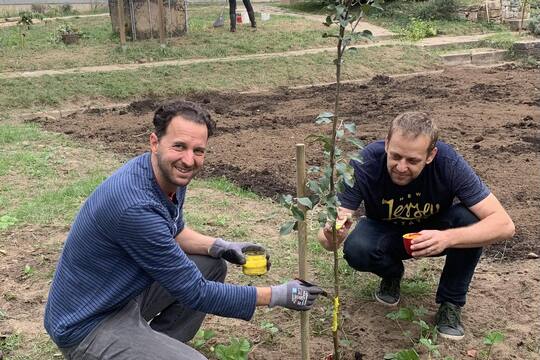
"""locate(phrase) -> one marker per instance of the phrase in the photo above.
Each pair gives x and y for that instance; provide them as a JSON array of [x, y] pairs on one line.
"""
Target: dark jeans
[[232, 13], [377, 247], [127, 335]]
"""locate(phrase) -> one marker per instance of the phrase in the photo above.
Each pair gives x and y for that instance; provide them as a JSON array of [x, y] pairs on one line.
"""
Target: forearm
[[264, 295], [193, 242], [494, 228]]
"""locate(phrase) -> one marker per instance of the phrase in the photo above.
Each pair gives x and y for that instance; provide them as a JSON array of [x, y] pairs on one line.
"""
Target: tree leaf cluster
[[319, 189]]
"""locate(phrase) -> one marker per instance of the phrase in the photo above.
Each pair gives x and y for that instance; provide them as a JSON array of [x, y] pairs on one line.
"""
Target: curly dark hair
[[187, 110]]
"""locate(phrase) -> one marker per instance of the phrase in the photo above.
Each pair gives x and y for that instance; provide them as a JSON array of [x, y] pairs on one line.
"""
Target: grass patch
[[100, 47], [167, 81], [42, 182]]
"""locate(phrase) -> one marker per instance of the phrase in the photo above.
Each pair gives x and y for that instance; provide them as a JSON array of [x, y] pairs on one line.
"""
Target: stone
[[532, 255], [478, 138]]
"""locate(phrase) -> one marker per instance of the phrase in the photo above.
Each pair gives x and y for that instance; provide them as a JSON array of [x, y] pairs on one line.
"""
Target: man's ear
[[431, 155], [153, 142], [386, 144]]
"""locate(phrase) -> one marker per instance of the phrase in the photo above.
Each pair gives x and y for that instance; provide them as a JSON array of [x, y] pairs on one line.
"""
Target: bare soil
[[492, 117]]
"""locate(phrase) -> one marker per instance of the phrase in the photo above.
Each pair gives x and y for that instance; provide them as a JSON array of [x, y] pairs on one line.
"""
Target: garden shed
[[142, 17]]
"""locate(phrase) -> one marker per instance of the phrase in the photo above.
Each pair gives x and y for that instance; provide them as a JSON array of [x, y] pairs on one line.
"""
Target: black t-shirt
[[447, 177]]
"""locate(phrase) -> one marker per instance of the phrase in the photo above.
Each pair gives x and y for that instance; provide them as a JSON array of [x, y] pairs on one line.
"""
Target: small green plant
[[28, 271], [425, 337], [202, 338], [492, 338], [6, 221], [419, 29], [66, 29], [3, 314], [238, 349], [23, 26], [270, 331]]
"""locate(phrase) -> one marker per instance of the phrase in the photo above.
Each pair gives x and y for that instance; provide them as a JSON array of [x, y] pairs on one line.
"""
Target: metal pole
[[302, 244]]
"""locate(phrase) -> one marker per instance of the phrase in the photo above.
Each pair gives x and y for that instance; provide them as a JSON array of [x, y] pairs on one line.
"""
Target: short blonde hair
[[415, 124]]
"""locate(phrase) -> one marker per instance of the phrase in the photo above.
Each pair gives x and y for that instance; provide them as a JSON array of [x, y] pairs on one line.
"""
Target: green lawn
[[60, 91], [100, 47]]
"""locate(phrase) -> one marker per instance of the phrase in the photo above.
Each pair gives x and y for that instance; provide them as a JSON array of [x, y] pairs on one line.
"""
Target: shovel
[[220, 21]]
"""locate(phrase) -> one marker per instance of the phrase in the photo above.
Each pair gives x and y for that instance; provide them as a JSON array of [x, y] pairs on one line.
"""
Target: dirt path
[[456, 40]]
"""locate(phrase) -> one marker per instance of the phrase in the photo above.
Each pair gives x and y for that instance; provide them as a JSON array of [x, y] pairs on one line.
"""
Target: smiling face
[[179, 154], [407, 155]]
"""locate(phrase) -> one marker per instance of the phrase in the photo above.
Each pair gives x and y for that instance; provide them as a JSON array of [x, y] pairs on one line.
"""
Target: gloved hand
[[295, 295], [233, 252]]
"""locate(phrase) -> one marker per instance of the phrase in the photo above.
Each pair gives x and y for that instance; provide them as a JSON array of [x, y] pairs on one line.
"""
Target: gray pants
[[128, 335]]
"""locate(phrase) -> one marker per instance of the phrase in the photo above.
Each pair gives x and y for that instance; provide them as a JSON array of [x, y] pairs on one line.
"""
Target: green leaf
[[287, 228], [313, 169], [493, 338], [350, 127], [343, 23], [322, 218], [356, 142], [340, 9], [287, 200], [323, 121], [327, 35], [325, 114], [305, 201], [328, 21], [325, 140], [409, 354], [297, 213], [405, 314], [314, 186], [340, 133]]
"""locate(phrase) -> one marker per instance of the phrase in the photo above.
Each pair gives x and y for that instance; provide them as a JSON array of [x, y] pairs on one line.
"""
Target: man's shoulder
[[446, 152]]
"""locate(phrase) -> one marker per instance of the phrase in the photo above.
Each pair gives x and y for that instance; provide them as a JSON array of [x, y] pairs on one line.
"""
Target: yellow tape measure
[[335, 314]]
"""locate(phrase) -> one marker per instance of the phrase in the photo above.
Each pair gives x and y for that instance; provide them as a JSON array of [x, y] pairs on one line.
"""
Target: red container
[[238, 18], [407, 238]]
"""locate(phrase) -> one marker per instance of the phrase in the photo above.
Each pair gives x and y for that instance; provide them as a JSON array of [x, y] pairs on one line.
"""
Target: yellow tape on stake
[[335, 314]]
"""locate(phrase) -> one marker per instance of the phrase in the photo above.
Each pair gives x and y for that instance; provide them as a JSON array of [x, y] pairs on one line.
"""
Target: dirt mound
[[490, 116]]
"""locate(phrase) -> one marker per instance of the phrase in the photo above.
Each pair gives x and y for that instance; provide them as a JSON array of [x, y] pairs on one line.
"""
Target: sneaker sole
[[450, 337], [384, 302]]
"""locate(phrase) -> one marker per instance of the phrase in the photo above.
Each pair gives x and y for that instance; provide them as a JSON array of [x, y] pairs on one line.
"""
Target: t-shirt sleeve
[[467, 185], [145, 235]]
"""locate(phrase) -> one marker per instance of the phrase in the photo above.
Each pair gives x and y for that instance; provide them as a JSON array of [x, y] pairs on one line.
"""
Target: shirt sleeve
[[144, 234], [467, 185]]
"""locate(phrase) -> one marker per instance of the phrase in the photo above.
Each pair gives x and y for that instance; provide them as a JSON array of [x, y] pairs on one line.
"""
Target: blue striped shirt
[[122, 240]]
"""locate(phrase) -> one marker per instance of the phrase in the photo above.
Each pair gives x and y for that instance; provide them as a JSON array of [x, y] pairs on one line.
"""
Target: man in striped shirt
[[133, 282]]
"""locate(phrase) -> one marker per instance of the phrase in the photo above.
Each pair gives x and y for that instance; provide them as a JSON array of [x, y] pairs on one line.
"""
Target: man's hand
[[295, 295], [343, 225], [233, 252], [430, 243]]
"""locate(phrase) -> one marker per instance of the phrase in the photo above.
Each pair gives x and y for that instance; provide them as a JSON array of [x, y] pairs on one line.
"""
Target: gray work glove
[[233, 252], [295, 295]]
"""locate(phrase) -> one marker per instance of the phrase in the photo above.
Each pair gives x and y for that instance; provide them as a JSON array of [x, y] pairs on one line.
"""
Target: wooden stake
[[121, 23], [161, 22], [302, 244]]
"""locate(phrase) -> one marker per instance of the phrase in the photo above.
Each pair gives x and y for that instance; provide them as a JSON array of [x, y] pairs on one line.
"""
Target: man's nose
[[402, 166], [189, 158]]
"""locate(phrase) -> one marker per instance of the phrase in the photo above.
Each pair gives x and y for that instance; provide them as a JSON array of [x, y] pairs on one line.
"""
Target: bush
[[437, 10], [534, 25], [419, 29]]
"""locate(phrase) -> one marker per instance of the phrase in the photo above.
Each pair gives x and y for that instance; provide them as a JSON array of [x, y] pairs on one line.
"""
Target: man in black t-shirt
[[409, 183]]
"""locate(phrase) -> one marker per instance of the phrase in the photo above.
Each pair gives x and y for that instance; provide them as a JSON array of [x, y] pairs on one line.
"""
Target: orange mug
[[407, 238]]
